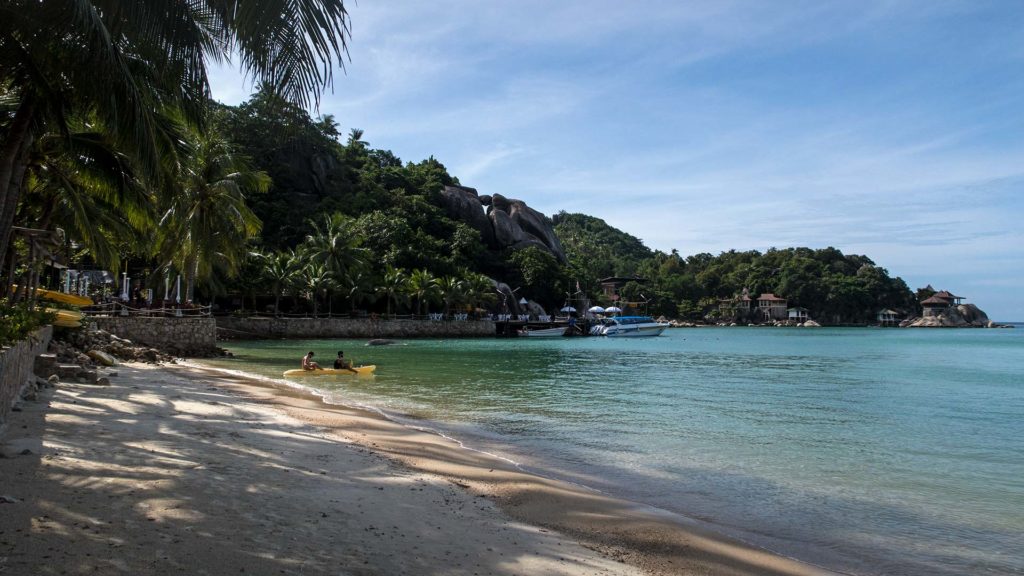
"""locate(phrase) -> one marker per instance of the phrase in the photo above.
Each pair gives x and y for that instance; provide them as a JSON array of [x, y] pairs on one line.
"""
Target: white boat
[[544, 332], [632, 326]]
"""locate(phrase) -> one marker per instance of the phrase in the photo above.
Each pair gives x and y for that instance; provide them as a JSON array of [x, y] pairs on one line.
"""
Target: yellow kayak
[[66, 318], [55, 296], [361, 370]]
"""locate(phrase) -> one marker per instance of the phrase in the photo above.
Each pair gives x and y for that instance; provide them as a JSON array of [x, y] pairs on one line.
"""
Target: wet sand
[[186, 470]]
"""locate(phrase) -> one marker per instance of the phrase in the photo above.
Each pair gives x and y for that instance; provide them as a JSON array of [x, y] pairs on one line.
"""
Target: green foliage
[[542, 278], [596, 250], [18, 321], [834, 287]]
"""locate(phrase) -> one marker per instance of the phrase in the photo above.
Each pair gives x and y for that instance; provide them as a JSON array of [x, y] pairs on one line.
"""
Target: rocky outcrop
[[462, 204], [89, 347], [506, 231], [537, 225], [962, 316], [507, 223]]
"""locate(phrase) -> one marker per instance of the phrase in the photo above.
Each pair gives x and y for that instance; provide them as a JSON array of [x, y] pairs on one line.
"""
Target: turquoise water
[[870, 451]]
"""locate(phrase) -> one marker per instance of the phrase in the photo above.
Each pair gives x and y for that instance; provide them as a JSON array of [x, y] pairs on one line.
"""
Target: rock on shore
[[962, 316]]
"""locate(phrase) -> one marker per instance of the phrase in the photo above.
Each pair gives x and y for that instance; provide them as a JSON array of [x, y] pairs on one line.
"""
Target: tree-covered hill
[[396, 216], [834, 287]]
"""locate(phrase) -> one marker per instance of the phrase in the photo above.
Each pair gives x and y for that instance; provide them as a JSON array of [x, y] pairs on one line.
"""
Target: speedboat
[[544, 332], [632, 326]]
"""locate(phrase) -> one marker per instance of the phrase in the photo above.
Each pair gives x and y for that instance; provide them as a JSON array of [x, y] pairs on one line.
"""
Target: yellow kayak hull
[[61, 297], [66, 318], [361, 371]]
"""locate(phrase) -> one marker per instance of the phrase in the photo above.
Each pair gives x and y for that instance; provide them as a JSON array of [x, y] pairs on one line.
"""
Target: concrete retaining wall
[[16, 363], [257, 328], [181, 336]]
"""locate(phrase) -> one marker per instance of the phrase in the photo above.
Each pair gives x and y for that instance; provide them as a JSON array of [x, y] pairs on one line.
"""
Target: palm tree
[[140, 65], [207, 224], [479, 289], [280, 270], [423, 287], [356, 289], [453, 290], [81, 184], [335, 244], [393, 285], [317, 280]]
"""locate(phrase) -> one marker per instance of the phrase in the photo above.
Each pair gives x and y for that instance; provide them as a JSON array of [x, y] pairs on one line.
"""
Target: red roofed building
[[948, 296], [934, 306], [771, 306]]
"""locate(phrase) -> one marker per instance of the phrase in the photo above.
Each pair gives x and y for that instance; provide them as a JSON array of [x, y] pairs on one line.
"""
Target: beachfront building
[[940, 302], [888, 317], [934, 306], [798, 314], [771, 306], [735, 308], [949, 297]]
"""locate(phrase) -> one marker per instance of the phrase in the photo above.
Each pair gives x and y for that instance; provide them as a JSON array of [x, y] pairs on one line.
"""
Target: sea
[[868, 451]]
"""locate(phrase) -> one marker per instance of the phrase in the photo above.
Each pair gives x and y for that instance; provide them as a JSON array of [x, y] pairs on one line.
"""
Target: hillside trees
[[834, 287]]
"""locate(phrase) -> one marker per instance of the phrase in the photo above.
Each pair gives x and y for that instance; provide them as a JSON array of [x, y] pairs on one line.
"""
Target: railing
[[120, 309]]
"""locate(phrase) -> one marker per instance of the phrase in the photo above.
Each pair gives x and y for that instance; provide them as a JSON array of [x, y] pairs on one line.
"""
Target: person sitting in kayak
[[308, 364], [341, 364]]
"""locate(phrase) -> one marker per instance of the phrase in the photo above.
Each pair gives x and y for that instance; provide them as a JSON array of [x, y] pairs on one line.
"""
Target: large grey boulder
[[530, 241], [962, 316], [973, 315], [321, 166], [462, 204], [499, 202], [507, 297], [506, 223], [506, 231], [536, 224]]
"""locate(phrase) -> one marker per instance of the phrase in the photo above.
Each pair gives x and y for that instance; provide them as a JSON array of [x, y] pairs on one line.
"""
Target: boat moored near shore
[[629, 326]]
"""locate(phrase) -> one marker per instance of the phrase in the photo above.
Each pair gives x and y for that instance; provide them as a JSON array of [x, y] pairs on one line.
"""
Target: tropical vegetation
[[834, 287], [108, 134]]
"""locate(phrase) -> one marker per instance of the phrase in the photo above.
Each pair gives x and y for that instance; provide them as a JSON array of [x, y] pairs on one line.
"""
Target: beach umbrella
[[613, 310], [596, 310], [568, 309]]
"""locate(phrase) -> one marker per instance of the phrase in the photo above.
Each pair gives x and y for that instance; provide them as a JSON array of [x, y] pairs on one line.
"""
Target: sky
[[892, 128]]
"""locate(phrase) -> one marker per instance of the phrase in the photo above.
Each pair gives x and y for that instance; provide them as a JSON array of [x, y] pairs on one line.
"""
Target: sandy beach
[[186, 470]]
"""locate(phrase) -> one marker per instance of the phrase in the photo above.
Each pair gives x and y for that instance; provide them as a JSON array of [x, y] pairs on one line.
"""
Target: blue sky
[[893, 129]]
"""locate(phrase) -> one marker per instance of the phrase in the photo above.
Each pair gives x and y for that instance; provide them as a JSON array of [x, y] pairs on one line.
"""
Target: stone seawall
[[180, 336], [16, 368], [258, 328]]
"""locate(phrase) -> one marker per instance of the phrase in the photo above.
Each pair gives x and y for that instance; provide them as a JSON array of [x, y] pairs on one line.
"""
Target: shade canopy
[[613, 309], [596, 310], [568, 309]]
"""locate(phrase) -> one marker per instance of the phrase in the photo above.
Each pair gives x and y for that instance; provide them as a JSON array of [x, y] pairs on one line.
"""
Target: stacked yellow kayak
[[54, 296], [361, 371], [66, 318]]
